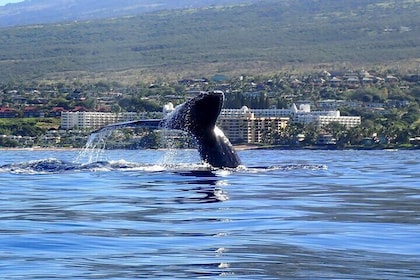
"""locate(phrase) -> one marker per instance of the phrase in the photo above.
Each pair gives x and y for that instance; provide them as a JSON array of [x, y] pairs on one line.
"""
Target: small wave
[[288, 167], [53, 165], [50, 165]]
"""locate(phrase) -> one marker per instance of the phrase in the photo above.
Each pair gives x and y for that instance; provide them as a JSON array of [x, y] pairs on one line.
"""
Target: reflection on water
[[306, 215]]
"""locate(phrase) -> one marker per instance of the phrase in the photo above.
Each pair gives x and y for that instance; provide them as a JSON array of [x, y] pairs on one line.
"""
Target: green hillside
[[260, 37]]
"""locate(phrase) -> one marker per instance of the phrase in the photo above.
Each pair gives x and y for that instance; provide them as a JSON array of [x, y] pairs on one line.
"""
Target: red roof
[[6, 110], [79, 109], [104, 109], [58, 109], [30, 109]]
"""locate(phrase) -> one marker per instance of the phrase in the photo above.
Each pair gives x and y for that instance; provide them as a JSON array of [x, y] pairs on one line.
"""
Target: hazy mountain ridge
[[53, 11]]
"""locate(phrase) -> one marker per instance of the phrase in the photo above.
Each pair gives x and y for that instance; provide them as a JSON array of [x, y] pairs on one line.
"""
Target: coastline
[[245, 147], [40, 149], [326, 147]]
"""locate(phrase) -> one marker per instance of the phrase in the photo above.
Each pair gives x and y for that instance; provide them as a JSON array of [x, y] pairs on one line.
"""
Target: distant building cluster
[[240, 125], [254, 125], [350, 80], [317, 99]]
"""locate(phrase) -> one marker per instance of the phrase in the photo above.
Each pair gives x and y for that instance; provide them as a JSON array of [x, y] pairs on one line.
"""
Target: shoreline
[[40, 149], [326, 147], [244, 147]]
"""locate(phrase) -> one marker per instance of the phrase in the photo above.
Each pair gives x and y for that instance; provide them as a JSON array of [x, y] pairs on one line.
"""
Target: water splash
[[173, 137], [94, 149]]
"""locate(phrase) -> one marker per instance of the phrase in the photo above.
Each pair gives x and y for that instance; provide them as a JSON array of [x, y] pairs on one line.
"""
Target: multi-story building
[[261, 113], [348, 121], [243, 126], [303, 114], [322, 118], [93, 120], [257, 125], [240, 125]]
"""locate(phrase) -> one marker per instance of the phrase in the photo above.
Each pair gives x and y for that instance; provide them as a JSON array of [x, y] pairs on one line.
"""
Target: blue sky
[[4, 2]]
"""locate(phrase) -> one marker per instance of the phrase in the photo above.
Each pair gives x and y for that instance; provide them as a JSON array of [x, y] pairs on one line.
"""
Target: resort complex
[[242, 125]]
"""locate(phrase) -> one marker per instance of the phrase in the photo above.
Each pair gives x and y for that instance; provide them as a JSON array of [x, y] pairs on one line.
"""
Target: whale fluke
[[197, 117], [149, 123]]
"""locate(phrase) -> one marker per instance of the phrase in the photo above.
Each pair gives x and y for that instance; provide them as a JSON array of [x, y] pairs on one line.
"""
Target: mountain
[[51, 11], [253, 38]]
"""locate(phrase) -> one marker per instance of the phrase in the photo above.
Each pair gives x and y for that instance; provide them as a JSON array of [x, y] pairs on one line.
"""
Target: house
[[32, 112], [336, 82], [295, 83], [368, 80], [79, 109], [18, 99], [56, 111], [318, 82], [6, 112], [391, 79], [104, 109], [326, 139], [352, 82]]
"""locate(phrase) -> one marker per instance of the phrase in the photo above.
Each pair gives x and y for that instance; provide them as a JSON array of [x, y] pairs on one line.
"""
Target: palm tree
[[337, 130], [311, 132]]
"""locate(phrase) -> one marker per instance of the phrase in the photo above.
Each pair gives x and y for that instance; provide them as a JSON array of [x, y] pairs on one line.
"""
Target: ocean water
[[160, 214]]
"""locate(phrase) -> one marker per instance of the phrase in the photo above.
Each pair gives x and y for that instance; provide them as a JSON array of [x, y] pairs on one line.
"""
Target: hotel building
[[94, 120], [303, 114], [256, 125], [241, 125]]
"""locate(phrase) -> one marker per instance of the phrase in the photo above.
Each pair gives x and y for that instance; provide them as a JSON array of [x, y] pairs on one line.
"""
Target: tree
[[60, 102], [354, 136], [337, 130], [8, 143], [311, 132], [115, 108], [136, 104], [370, 94], [412, 115]]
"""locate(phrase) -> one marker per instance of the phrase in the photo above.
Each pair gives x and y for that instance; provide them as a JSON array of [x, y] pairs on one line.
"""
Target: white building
[[245, 124], [322, 118], [93, 120], [303, 114], [348, 121], [262, 113]]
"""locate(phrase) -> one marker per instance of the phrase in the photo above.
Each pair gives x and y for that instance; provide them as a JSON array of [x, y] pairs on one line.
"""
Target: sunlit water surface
[[158, 214]]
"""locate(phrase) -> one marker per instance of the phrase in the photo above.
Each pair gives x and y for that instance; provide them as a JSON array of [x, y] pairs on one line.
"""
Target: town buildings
[[256, 125], [375, 93], [243, 125], [94, 120]]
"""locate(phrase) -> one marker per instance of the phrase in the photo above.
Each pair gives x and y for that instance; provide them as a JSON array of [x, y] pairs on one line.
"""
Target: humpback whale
[[197, 117]]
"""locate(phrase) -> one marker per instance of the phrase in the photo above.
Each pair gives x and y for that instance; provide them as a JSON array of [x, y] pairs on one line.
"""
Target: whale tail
[[198, 117]]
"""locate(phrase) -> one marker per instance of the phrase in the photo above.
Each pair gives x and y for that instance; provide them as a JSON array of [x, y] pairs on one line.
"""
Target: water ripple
[[284, 215]]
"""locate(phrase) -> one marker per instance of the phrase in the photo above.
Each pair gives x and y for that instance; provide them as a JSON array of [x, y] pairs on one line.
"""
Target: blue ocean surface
[[161, 214]]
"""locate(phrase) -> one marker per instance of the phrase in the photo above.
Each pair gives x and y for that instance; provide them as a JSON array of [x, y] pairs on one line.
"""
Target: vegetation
[[41, 11], [266, 54], [390, 110], [30, 127], [257, 38]]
